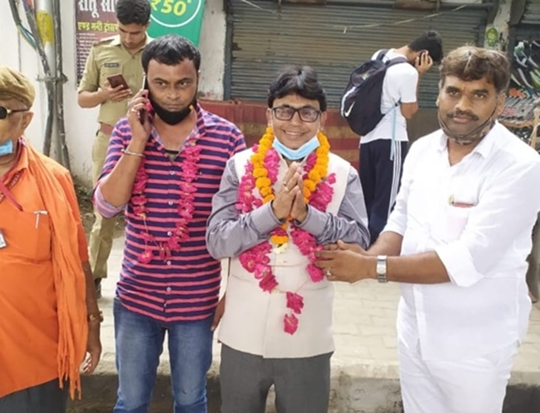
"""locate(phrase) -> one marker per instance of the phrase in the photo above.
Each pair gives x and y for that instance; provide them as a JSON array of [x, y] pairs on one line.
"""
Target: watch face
[[381, 269], [381, 265]]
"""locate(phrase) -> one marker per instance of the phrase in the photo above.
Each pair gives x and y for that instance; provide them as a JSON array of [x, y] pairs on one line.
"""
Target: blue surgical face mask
[[296, 154], [6, 148]]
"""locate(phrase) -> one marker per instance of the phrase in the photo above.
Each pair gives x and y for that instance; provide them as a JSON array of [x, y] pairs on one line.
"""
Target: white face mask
[[296, 154]]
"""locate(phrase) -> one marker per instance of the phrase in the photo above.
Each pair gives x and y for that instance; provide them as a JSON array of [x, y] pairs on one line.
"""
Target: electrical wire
[[18, 23], [49, 81], [60, 77], [53, 84]]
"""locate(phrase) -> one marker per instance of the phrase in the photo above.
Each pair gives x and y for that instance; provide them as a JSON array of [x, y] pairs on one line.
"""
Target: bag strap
[[390, 62], [381, 54], [396, 61]]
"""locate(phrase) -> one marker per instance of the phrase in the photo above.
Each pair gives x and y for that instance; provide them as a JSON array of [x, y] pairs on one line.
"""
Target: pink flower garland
[[256, 260], [190, 170]]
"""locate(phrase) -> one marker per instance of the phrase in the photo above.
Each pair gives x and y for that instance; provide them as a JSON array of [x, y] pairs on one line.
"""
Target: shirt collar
[[486, 145], [117, 42], [203, 119], [22, 161], [443, 141]]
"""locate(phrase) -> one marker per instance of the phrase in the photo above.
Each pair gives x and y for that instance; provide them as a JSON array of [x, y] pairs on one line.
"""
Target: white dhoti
[[475, 385]]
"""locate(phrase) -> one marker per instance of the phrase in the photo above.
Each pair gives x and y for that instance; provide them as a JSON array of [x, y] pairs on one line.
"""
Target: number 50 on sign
[[177, 7], [183, 17]]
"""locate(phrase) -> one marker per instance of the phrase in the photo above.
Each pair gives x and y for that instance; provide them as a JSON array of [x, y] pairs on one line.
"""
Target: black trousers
[[44, 398], [380, 177]]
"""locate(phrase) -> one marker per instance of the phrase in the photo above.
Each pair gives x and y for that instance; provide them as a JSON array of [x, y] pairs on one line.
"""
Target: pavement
[[364, 366]]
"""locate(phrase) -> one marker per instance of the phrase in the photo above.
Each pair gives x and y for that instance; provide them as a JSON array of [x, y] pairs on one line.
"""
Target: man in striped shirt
[[164, 164]]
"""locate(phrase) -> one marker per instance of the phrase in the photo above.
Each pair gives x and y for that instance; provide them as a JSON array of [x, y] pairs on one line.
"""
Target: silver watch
[[381, 269]]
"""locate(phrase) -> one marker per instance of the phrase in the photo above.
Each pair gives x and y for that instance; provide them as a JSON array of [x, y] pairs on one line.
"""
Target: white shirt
[[400, 83], [483, 247]]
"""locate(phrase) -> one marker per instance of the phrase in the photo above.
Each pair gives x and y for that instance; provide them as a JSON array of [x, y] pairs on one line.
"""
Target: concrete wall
[[81, 123], [212, 48], [15, 53]]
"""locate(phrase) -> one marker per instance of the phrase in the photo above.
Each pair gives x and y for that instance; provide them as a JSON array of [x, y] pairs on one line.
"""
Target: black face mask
[[169, 117]]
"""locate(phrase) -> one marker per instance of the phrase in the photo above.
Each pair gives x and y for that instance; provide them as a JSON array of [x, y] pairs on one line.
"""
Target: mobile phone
[[143, 112], [117, 80]]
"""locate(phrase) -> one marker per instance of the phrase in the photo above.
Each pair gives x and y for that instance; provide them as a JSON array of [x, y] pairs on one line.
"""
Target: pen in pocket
[[38, 215], [457, 204]]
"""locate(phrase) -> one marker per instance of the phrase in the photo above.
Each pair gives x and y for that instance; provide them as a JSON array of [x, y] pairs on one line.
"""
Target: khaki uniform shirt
[[109, 57]]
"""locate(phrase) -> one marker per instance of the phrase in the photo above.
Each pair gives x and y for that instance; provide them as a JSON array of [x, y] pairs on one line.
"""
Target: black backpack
[[361, 101]]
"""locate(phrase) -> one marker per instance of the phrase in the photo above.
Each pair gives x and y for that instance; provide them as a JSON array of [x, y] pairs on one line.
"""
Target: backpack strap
[[396, 61], [390, 62], [381, 54]]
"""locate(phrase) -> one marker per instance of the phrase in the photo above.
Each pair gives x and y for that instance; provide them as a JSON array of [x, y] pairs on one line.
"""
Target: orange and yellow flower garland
[[311, 180]]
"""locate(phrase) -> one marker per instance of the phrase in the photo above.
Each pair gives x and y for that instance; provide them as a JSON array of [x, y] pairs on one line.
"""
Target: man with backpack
[[381, 95]]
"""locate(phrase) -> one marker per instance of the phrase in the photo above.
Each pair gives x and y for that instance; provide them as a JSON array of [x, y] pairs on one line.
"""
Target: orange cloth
[[43, 318]]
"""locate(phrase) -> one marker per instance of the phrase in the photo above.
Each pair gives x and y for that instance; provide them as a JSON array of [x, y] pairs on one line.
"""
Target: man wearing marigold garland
[[279, 203]]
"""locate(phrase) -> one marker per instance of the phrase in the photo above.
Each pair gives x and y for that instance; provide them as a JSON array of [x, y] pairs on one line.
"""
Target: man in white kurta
[[458, 240]]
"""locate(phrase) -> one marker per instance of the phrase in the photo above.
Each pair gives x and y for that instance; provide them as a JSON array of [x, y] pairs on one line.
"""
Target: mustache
[[462, 114]]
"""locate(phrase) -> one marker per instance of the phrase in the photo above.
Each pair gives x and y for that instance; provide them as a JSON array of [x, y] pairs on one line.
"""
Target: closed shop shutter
[[325, 38], [532, 13]]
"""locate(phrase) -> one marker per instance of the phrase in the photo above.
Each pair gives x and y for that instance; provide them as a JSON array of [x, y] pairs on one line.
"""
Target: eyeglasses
[[306, 114], [5, 112]]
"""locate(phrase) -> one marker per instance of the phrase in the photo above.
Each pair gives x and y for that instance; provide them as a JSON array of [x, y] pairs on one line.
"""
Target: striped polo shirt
[[185, 286]]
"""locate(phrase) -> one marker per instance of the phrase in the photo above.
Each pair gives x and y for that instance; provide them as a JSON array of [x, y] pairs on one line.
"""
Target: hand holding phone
[[137, 117], [423, 62], [143, 113], [117, 80], [116, 88]]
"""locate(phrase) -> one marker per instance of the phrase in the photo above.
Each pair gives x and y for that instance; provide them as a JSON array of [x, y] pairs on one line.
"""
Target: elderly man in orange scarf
[[49, 316]]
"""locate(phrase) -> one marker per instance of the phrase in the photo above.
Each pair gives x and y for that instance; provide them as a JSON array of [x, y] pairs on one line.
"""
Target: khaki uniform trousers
[[101, 236]]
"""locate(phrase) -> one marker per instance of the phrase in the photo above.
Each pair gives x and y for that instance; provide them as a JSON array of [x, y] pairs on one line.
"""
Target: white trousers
[[464, 386]]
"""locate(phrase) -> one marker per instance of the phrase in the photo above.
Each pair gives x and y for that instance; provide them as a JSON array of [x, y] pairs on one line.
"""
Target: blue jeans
[[139, 343]]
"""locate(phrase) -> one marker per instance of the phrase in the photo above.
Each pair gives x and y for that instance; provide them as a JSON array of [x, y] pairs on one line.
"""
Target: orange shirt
[[28, 356]]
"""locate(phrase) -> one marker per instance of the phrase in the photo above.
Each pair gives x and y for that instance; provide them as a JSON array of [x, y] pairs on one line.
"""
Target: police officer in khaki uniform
[[120, 54]]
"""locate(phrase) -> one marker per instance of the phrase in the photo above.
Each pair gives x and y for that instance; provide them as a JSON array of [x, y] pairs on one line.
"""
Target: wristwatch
[[381, 269], [96, 317]]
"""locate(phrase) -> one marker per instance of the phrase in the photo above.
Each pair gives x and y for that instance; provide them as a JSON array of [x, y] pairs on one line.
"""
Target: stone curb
[[359, 388]]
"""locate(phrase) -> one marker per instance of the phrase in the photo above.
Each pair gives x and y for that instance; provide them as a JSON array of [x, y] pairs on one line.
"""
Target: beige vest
[[253, 319]]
